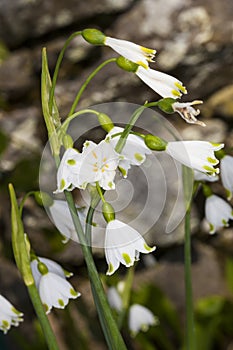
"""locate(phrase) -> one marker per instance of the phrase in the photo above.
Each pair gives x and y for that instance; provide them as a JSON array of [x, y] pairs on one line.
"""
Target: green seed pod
[[43, 199], [108, 211], [94, 36], [155, 143], [42, 268], [165, 105], [105, 122], [127, 65], [67, 141]]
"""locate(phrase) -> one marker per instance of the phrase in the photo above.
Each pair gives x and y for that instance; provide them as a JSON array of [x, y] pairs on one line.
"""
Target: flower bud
[[67, 141], [165, 104], [43, 199], [108, 212], [94, 36], [155, 143], [105, 122], [127, 65]]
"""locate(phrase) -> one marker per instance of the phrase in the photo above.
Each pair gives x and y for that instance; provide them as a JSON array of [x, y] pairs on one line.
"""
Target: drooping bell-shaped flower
[[54, 289], [62, 219], [226, 167], [218, 212], [133, 52], [134, 151], [140, 319], [9, 316], [198, 155], [52, 266], [163, 84], [123, 244]]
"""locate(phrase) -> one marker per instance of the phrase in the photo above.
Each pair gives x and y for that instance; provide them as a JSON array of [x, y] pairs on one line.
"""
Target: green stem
[[65, 125], [83, 87], [58, 64], [45, 325], [190, 335], [112, 334]]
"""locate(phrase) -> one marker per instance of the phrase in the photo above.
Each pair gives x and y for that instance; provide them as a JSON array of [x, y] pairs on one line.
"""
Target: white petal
[[114, 299], [55, 291], [164, 84], [226, 167], [199, 176], [140, 318], [9, 316]]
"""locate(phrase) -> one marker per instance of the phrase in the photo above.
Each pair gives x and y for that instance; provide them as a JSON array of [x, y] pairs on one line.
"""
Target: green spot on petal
[[212, 160], [225, 223], [61, 302], [211, 228], [123, 171], [209, 169], [229, 194], [73, 292], [46, 307], [144, 65], [127, 258], [62, 184], [149, 249], [181, 87], [138, 157], [110, 184], [110, 269], [176, 93], [71, 162], [16, 311], [5, 324], [215, 144]]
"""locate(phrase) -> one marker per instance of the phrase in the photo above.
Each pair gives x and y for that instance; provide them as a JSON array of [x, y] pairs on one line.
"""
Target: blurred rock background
[[194, 42]]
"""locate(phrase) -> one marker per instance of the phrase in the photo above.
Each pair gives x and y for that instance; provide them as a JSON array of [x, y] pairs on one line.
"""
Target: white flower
[[123, 244], [199, 176], [99, 163], [52, 267], [140, 318], [55, 291], [114, 299], [187, 112], [67, 170], [134, 151], [164, 84], [226, 167], [198, 155], [133, 52], [9, 316], [95, 163], [218, 212], [62, 219]]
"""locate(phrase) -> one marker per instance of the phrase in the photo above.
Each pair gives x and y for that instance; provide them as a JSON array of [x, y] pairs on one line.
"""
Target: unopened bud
[[108, 211], [127, 65], [43, 199], [155, 143], [94, 36], [105, 122]]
